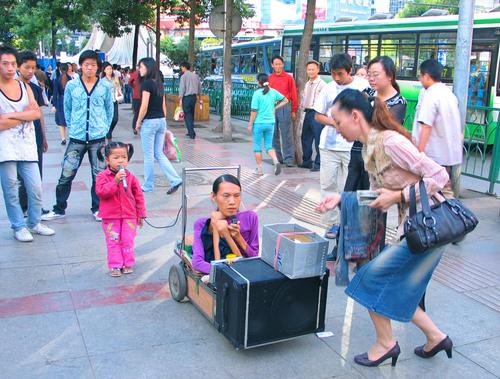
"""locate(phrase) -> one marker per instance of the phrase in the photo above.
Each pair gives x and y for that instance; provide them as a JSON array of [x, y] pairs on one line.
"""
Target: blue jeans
[[71, 163], [188, 107], [152, 138], [30, 174], [311, 132], [262, 131]]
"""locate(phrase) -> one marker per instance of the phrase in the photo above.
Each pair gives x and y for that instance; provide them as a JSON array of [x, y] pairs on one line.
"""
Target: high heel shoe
[[446, 345], [362, 359]]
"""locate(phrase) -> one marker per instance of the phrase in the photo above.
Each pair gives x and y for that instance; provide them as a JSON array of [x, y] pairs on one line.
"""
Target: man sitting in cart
[[227, 230]]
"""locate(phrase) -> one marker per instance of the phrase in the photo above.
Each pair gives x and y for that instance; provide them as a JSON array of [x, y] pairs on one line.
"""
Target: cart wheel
[[177, 282]]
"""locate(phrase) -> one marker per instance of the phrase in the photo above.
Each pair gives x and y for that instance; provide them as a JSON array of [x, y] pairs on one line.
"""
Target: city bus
[[247, 59], [408, 42]]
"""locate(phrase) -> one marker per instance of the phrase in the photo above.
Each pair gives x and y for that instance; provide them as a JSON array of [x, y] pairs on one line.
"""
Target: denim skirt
[[393, 283]]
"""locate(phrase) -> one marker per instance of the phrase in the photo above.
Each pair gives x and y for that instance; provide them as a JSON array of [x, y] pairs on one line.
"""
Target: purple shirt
[[249, 229]]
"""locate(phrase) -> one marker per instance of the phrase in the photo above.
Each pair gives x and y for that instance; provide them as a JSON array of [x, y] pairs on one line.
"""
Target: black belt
[[87, 142], [193, 94], [308, 110]]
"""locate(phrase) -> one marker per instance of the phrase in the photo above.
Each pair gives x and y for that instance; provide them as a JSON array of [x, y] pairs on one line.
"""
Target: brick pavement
[[61, 315]]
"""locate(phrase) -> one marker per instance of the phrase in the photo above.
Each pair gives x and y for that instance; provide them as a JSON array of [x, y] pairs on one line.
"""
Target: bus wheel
[[177, 282]]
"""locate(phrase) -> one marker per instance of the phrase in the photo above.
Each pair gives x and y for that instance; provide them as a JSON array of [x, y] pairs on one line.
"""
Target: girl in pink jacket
[[121, 206]]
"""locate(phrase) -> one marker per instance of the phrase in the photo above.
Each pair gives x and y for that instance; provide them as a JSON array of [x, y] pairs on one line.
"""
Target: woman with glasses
[[382, 78]]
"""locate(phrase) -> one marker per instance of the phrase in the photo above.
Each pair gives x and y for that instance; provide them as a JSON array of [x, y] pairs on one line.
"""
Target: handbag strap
[[424, 200], [413, 201]]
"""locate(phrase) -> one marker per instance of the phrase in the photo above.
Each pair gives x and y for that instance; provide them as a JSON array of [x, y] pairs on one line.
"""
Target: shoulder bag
[[438, 225]]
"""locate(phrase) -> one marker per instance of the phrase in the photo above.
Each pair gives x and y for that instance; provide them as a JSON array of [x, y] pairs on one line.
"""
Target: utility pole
[[462, 56], [462, 64], [227, 90]]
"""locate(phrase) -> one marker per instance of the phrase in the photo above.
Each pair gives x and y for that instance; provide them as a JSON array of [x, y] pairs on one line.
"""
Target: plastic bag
[[171, 148], [178, 114]]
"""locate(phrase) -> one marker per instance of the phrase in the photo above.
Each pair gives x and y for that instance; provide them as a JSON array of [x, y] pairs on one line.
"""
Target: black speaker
[[257, 305]]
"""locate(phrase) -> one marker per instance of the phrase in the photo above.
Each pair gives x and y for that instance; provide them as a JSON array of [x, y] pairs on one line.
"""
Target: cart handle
[[185, 172]]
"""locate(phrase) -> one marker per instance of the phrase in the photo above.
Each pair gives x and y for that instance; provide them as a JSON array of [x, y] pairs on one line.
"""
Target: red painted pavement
[[75, 186], [83, 299]]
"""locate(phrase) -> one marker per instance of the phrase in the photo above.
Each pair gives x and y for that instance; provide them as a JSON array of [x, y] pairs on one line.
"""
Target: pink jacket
[[114, 201]]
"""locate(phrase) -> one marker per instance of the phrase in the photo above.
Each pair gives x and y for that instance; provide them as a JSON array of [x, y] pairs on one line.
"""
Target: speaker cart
[[183, 280], [254, 305]]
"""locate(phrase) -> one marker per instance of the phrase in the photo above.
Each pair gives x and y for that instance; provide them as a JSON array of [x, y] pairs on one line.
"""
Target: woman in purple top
[[227, 230]]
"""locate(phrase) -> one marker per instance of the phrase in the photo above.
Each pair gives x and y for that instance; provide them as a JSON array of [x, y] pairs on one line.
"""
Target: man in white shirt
[[311, 129], [335, 150], [437, 128]]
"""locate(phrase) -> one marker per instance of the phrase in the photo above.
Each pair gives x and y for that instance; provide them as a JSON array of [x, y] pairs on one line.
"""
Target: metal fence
[[481, 137], [241, 96]]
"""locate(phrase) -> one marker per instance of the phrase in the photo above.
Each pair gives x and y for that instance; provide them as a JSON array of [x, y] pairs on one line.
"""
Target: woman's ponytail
[[263, 80]]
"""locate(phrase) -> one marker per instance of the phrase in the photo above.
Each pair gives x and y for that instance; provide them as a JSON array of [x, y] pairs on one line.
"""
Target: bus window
[[275, 50], [479, 75], [401, 49], [362, 49], [287, 54], [439, 46], [235, 63], [328, 46]]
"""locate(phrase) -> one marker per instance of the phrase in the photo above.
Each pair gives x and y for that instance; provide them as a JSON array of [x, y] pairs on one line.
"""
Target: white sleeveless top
[[18, 143]]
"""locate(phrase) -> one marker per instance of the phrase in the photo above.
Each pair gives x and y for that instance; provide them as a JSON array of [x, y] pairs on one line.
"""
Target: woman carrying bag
[[152, 126], [391, 285]]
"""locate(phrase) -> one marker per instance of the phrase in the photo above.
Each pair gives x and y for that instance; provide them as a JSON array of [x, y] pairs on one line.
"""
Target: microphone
[[124, 180]]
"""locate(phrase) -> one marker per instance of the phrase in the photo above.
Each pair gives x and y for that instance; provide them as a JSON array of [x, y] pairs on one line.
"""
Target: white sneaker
[[23, 235], [42, 230], [52, 216], [96, 216]]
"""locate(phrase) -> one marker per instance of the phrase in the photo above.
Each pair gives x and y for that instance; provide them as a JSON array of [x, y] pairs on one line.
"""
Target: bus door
[[479, 79]]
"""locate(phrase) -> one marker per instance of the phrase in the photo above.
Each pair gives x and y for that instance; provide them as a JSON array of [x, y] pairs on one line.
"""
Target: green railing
[[482, 145], [241, 98]]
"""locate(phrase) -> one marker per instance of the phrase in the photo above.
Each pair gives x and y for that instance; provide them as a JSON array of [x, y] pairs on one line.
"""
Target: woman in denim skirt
[[391, 285], [153, 126]]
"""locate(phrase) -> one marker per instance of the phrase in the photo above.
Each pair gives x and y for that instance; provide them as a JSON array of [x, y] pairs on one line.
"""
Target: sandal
[[115, 272], [127, 270]]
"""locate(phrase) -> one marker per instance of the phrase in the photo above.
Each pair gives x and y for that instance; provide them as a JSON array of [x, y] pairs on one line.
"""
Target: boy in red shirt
[[283, 128]]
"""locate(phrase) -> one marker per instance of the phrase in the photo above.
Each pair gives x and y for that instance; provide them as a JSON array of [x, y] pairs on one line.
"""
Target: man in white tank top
[[18, 154]]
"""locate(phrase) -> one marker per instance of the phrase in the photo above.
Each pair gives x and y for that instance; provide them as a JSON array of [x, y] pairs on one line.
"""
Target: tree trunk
[[158, 34], [53, 35], [227, 132], [301, 77], [136, 46], [192, 22]]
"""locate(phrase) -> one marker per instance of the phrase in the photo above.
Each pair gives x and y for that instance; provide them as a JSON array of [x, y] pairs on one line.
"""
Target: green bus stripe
[[359, 28]]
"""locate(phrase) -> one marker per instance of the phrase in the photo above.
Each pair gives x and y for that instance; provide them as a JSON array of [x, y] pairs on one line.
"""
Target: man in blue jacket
[[88, 109]]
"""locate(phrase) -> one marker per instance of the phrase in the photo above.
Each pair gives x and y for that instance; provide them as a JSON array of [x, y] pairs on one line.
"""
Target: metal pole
[[462, 63], [227, 132]]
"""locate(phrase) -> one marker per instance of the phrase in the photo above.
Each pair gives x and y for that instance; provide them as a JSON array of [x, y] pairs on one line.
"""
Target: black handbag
[[435, 226]]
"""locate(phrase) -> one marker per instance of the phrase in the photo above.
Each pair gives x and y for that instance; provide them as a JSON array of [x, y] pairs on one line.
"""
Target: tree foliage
[[6, 8], [178, 53], [32, 20], [416, 8]]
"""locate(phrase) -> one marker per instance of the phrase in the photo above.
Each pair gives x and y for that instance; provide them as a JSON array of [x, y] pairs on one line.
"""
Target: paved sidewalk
[[63, 316]]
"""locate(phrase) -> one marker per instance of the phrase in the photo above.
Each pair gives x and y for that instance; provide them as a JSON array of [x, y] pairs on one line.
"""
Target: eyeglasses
[[373, 75]]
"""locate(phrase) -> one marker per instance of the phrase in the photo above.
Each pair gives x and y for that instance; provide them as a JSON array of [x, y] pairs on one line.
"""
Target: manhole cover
[[193, 179]]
